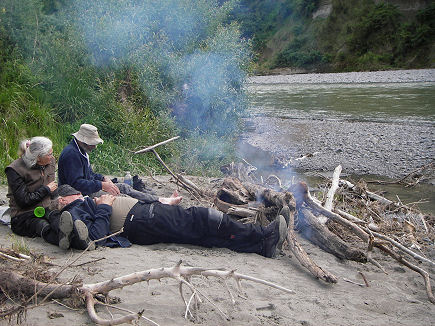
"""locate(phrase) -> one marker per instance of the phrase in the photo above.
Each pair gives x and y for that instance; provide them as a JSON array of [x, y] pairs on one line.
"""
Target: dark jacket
[[74, 169], [97, 219], [27, 187]]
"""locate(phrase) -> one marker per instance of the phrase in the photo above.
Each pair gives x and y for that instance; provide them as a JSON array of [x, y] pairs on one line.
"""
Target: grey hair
[[22, 147], [38, 147]]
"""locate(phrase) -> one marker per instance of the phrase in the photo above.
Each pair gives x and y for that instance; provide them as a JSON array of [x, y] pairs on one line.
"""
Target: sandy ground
[[398, 298]]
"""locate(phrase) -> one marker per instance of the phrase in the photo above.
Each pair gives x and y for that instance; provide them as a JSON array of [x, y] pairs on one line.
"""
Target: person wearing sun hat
[[74, 167]]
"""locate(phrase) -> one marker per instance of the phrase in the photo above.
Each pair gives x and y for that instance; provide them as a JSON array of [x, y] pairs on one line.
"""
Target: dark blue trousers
[[28, 225], [159, 223]]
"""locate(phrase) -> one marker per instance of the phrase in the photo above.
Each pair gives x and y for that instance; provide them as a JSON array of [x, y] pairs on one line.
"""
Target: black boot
[[65, 230], [274, 236], [80, 239], [42, 227]]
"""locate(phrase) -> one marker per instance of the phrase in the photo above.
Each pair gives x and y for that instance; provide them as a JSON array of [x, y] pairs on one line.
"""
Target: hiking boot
[[282, 230], [139, 185], [65, 229], [81, 239], [275, 234]]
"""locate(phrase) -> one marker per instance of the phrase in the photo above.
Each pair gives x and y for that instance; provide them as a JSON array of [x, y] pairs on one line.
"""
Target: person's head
[[88, 137], [39, 150], [66, 195]]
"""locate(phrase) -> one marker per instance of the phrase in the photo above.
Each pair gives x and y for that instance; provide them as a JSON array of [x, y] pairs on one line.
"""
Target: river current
[[406, 96]]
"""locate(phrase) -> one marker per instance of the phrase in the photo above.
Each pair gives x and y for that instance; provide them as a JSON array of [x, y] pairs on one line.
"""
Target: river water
[[376, 124], [395, 96]]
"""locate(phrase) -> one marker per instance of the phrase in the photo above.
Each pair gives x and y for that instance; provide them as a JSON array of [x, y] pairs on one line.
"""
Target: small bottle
[[39, 211], [127, 178]]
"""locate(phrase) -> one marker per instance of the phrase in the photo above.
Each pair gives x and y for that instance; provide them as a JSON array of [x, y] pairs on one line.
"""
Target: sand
[[398, 298]]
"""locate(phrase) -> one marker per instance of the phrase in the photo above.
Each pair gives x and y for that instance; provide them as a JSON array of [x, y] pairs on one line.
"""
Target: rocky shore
[[382, 147], [362, 148]]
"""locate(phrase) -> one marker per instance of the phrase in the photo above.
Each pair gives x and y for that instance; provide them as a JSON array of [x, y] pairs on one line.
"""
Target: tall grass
[[121, 66]]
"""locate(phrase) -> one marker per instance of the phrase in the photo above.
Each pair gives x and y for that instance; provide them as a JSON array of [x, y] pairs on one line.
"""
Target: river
[[375, 124]]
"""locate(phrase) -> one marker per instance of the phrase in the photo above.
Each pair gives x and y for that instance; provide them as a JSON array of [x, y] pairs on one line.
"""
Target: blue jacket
[[74, 169], [97, 219]]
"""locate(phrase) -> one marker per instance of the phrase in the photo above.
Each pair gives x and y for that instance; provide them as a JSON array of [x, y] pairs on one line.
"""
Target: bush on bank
[[141, 71]]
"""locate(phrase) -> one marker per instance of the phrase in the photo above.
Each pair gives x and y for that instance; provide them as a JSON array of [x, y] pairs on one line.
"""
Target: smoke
[[172, 44]]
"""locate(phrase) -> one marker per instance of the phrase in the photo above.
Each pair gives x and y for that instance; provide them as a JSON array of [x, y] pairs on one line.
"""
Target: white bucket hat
[[88, 134]]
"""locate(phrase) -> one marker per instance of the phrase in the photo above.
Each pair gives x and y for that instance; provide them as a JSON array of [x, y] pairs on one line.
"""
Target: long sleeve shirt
[[75, 169]]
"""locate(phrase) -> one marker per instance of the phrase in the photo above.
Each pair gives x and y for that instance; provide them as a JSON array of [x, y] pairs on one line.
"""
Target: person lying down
[[164, 221]]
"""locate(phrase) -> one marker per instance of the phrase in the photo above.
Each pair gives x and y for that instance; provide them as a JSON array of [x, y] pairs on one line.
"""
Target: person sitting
[[30, 185], [74, 168], [164, 221]]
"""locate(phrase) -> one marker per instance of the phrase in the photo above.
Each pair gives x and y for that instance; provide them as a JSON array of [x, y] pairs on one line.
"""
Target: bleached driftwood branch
[[333, 189], [184, 182], [10, 281], [302, 256], [362, 234]]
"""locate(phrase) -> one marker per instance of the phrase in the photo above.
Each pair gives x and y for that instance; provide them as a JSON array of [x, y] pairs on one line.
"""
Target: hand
[[106, 179], [109, 186], [105, 199], [52, 185]]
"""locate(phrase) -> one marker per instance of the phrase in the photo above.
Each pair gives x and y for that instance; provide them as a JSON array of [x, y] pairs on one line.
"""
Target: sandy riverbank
[[398, 298]]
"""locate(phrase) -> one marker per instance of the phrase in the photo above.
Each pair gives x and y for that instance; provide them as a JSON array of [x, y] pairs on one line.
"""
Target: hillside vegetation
[[339, 35], [141, 71]]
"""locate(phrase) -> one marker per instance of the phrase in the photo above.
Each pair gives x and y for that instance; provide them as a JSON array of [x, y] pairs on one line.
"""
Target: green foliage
[[203, 154], [259, 20], [366, 33], [19, 244], [356, 35], [119, 65], [23, 113], [305, 7], [298, 58]]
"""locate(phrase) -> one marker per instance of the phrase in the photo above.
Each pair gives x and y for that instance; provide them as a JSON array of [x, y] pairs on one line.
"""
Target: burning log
[[313, 230], [278, 202]]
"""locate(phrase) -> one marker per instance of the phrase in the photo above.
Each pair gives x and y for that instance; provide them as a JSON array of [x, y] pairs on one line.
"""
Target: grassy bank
[[141, 72]]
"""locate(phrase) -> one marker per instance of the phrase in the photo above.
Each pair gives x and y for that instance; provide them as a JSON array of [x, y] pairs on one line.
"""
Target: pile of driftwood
[[398, 230]]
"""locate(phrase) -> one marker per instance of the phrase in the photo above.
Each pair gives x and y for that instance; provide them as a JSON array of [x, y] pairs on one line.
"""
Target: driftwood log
[[273, 203], [13, 283], [365, 235], [309, 225]]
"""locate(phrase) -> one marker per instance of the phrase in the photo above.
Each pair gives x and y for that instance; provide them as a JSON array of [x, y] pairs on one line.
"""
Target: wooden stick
[[156, 145], [353, 282], [183, 184], [302, 256], [333, 189], [401, 247], [364, 278]]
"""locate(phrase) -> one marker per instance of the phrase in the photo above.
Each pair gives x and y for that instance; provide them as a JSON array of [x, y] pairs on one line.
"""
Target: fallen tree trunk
[[313, 230]]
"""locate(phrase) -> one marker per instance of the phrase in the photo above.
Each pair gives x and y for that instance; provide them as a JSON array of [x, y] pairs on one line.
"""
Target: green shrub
[[119, 65]]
